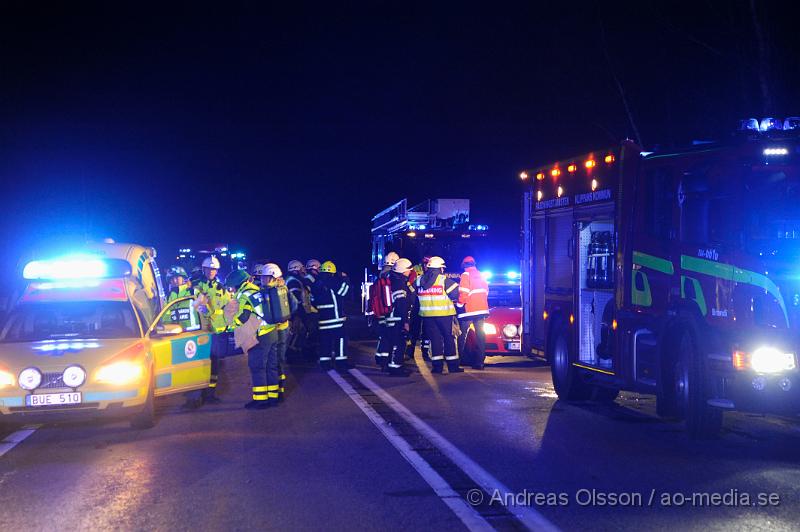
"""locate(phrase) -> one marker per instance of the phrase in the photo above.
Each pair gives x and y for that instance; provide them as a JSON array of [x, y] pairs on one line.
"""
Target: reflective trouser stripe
[[381, 355], [324, 359], [393, 365], [454, 357], [328, 327], [283, 378], [272, 391], [213, 382], [341, 356], [437, 357], [259, 393]]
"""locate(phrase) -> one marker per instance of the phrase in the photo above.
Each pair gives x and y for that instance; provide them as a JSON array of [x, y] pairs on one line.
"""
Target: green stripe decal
[[654, 263], [738, 275]]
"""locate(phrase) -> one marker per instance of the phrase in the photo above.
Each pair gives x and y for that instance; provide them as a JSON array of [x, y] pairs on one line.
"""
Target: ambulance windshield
[[32, 322]]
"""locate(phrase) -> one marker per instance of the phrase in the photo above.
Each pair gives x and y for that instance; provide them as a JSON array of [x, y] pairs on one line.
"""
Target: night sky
[[283, 130]]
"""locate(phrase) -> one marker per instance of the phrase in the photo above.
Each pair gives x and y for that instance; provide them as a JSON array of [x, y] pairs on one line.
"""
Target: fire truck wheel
[[566, 380], [604, 395], [702, 421]]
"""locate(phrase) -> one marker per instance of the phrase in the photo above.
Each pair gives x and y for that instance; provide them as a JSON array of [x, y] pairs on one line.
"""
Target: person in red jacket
[[472, 308]]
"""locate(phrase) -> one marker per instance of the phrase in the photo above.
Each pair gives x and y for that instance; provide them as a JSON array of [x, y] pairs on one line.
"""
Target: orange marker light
[[613, 325], [739, 360], [571, 168], [590, 163], [539, 195], [539, 176], [609, 159], [555, 172], [571, 319], [523, 175], [594, 184], [559, 191], [544, 315]]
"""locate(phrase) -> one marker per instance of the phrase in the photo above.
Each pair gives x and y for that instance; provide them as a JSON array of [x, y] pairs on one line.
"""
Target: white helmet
[[401, 266], [259, 269], [313, 264], [294, 266], [211, 262], [272, 270], [390, 258], [436, 262]]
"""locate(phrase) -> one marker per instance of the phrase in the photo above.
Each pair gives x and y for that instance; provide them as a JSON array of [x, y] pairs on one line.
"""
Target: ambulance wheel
[[566, 380], [146, 419], [688, 372]]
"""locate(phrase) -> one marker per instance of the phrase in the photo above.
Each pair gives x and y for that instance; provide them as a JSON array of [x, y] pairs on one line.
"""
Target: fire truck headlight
[[509, 330], [771, 360], [489, 328]]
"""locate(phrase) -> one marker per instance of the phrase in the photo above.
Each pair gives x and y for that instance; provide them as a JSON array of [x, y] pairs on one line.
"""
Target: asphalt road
[[367, 451]]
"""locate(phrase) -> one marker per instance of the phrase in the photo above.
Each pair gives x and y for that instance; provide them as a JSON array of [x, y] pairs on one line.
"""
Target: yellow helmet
[[328, 267]]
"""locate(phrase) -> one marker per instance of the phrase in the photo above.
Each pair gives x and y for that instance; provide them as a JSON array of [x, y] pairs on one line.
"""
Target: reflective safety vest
[[473, 294], [184, 314], [217, 298], [250, 298], [435, 301]]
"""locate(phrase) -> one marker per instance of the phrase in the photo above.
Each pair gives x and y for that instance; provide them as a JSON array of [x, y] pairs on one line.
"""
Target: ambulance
[[92, 335]]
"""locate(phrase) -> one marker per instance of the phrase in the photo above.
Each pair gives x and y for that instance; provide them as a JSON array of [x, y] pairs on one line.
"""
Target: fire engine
[[435, 227], [672, 273]]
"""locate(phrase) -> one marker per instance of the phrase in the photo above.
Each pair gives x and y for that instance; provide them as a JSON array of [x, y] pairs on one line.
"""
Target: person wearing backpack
[[279, 305], [300, 324], [398, 332], [381, 308], [248, 313]]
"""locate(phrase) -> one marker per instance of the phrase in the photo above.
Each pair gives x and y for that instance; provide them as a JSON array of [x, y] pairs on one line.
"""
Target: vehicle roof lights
[[792, 122], [768, 124], [76, 267]]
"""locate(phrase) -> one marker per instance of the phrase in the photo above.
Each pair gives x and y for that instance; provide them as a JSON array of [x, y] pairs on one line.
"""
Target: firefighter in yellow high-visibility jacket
[[211, 299], [436, 294]]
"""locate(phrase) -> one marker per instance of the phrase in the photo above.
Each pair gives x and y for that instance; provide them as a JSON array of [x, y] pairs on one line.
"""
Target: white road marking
[[471, 519], [15, 438], [526, 515]]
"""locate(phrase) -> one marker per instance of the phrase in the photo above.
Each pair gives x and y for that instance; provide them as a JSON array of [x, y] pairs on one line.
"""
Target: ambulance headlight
[[6, 378], [120, 373], [489, 328], [771, 360], [509, 330], [74, 376], [30, 378]]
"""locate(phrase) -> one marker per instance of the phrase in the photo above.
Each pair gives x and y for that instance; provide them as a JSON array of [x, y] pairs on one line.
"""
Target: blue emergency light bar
[[76, 267]]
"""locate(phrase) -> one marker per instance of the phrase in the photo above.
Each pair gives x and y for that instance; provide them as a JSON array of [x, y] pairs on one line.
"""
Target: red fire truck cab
[[674, 273]]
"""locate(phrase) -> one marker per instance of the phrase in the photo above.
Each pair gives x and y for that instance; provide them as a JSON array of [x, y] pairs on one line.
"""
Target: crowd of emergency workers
[[270, 314]]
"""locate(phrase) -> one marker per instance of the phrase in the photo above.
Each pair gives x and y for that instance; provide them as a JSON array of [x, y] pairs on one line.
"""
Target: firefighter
[[327, 295], [179, 287], [473, 309], [386, 321], [279, 305], [263, 370], [299, 326], [312, 319], [211, 298], [400, 316], [415, 325], [436, 295], [312, 270]]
